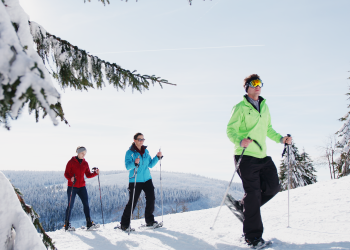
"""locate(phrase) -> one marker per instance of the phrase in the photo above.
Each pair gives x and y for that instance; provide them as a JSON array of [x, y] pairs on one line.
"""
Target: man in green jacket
[[248, 127]]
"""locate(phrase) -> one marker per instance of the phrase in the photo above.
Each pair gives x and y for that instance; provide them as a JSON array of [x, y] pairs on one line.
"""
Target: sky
[[300, 49]]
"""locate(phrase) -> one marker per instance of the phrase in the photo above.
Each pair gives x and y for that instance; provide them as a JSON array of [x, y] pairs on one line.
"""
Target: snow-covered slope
[[320, 219]]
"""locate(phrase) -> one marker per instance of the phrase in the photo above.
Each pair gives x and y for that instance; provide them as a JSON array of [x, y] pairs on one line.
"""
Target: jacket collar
[[75, 159], [133, 148], [245, 99], [260, 98]]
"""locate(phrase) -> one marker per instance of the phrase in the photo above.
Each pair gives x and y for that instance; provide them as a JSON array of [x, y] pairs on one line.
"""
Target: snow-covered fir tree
[[301, 171], [343, 162]]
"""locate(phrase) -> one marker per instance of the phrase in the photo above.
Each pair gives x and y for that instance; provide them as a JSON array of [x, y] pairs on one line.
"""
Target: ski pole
[[161, 189], [133, 196], [228, 188], [288, 146], [99, 187], [70, 199]]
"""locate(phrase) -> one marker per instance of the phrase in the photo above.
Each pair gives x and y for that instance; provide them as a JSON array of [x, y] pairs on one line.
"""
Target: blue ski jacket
[[146, 162]]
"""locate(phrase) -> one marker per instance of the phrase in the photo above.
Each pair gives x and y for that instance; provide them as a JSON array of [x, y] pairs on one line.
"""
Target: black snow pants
[[261, 183], [148, 188], [82, 193]]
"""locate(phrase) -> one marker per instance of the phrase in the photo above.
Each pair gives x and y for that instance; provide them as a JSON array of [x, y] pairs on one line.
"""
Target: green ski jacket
[[246, 122]]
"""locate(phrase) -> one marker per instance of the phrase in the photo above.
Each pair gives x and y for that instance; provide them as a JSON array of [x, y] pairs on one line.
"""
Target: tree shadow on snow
[[183, 241], [280, 245], [100, 242]]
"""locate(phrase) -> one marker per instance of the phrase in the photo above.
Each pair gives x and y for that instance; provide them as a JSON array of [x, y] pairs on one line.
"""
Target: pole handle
[[137, 164], [285, 146], [288, 135]]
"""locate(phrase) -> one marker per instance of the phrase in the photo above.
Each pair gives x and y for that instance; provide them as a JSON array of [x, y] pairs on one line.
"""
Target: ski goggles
[[256, 83]]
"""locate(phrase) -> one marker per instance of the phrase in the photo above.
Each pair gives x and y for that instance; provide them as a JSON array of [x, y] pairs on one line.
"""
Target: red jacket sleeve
[[68, 171], [88, 172]]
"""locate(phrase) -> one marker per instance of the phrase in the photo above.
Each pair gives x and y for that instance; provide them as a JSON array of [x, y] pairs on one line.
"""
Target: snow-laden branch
[[23, 76], [75, 68], [25, 79], [104, 1]]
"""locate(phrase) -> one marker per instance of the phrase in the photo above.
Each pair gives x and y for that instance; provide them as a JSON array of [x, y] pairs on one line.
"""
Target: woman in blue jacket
[[137, 157]]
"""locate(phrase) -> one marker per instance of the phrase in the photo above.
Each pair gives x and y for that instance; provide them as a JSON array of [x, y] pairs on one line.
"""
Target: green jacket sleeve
[[234, 124], [271, 133]]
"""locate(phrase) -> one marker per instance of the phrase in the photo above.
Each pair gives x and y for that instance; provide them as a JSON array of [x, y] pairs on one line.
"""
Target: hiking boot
[[91, 225], [255, 242], [68, 227], [151, 224], [124, 227]]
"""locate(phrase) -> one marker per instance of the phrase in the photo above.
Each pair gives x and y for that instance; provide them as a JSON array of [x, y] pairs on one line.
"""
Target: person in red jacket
[[78, 167]]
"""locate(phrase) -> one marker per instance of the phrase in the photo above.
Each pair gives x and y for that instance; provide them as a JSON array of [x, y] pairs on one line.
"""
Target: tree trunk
[[333, 163], [330, 167]]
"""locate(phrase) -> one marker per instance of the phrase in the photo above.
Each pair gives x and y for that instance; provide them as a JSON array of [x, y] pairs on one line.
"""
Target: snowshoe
[[68, 227], [257, 243], [235, 206], [152, 225], [124, 228], [90, 225]]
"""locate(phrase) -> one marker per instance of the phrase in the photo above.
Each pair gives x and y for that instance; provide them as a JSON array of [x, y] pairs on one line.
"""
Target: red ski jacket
[[74, 167]]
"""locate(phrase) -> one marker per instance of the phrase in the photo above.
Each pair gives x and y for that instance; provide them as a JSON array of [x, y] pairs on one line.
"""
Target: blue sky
[[302, 58]]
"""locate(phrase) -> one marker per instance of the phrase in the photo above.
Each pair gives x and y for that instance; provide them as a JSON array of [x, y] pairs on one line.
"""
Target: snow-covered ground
[[320, 219]]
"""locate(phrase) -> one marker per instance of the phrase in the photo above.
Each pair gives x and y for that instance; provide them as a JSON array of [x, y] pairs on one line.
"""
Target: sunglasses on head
[[256, 83]]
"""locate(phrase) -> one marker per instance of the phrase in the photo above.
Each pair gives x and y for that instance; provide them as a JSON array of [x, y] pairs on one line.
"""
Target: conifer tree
[[301, 169], [343, 162]]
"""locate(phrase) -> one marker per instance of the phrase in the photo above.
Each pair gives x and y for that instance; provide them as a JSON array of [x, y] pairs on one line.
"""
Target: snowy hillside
[[320, 219]]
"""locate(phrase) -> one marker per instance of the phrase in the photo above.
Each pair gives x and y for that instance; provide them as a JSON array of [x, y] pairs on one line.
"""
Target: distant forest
[[46, 191]]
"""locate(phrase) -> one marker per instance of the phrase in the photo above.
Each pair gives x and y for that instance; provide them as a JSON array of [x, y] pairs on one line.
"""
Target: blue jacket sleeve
[[130, 158], [153, 161]]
